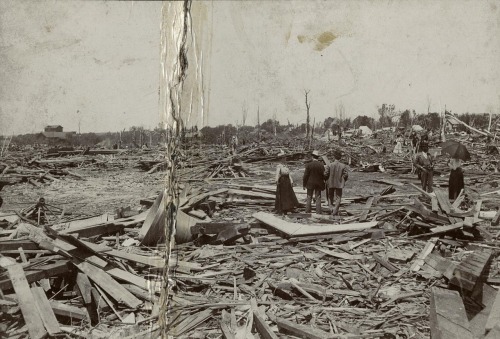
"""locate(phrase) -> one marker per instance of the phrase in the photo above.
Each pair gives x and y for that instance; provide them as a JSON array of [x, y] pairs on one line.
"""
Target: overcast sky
[[58, 57], [102, 59]]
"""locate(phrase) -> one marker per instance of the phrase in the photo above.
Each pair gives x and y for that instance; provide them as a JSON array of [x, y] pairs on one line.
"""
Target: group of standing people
[[317, 177], [424, 163]]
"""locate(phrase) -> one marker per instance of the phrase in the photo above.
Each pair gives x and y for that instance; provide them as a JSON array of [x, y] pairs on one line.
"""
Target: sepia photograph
[[250, 169]]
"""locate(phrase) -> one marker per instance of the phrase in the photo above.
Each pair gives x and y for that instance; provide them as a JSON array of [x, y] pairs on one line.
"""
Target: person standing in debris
[[285, 200], [337, 174], [398, 149], [234, 144], [456, 180], [425, 167], [314, 181]]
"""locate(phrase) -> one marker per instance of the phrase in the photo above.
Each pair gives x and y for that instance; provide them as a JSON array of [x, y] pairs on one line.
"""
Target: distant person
[[314, 181], [398, 149], [337, 174], [425, 167], [285, 200], [456, 180]]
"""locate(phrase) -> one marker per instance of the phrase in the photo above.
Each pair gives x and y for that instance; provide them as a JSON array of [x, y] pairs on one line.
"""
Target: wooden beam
[[153, 228], [70, 311], [301, 331], [26, 302], [41, 272], [470, 271], [295, 229], [108, 284], [494, 316], [448, 319], [44, 309]]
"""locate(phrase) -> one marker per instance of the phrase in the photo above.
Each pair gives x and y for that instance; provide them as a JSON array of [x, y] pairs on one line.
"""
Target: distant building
[[56, 131], [53, 128]]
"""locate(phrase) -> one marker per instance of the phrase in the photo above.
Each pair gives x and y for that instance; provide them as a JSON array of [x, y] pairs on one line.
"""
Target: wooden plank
[[70, 311], [43, 306], [301, 331], [478, 322], [496, 219], [429, 246], [261, 326], [26, 301], [108, 284], [45, 271], [340, 255], [141, 259], [471, 270], [85, 287], [385, 263], [153, 228], [295, 229], [448, 319], [434, 204], [494, 317], [368, 205]]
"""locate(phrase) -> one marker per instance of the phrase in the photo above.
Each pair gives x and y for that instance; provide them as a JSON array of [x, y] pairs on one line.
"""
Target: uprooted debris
[[396, 263]]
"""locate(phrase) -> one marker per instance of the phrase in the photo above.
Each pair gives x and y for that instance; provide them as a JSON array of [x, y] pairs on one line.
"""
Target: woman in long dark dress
[[456, 181], [286, 200]]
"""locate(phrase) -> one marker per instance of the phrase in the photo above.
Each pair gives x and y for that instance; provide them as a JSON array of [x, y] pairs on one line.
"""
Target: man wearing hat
[[314, 181], [336, 176]]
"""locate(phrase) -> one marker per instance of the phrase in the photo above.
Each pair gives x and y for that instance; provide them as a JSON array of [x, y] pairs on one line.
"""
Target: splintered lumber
[[340, 255], [44, 309], [496, 219], [494, 317], [69, 311], [153, 228], [301, 331], [26, 302], [190, 322], [40, 272], [85, 287], [294, 229], [471, 270], [368, 205], [448, 319], [108, 284], [261, 326], [429, 246]]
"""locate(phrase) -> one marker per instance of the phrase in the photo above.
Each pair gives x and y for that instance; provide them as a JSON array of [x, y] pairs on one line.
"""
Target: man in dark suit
[[314, 181], [336, 176]]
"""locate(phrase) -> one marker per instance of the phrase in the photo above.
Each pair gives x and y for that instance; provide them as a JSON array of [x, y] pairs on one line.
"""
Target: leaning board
[[295, 230]]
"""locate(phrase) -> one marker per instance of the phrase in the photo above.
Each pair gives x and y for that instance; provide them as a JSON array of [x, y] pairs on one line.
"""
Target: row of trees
[[389, 118], [136, 136]]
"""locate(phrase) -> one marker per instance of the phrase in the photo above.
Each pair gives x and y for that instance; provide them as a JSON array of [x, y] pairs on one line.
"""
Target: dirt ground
[[100, 192]]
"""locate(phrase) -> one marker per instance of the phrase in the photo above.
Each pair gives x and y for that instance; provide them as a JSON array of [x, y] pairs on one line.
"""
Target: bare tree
[[274, 122], [244, 111], [308, 117], [429, 101], [258, 124]]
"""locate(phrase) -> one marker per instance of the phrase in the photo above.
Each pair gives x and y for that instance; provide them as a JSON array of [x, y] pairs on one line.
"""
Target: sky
[[358, 53], [97, 63], [60, 57]]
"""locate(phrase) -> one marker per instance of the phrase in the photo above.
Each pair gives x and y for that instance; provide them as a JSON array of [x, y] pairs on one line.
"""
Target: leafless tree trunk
[[274, 122], [258, 125], [308, 118], [244, 111]]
